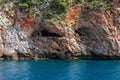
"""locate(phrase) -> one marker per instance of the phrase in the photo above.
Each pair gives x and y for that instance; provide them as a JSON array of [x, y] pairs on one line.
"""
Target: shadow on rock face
[[85, 32], [95, 39], [47, 33]]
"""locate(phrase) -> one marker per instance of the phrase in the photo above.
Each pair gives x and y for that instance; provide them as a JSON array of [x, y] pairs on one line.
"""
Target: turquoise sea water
[[60, 70]]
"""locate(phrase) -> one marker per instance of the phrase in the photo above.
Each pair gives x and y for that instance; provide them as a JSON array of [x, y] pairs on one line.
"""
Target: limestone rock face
[[1, 44], [12, 39], [95, 34]]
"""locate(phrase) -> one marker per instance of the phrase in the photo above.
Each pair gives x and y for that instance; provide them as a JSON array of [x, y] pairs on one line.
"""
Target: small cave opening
[[36, 33], [47, 33], [6, 57], [84, 31]]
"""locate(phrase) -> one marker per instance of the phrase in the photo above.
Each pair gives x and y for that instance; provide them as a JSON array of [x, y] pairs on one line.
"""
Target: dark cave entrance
[[85, 31], [47, 33]]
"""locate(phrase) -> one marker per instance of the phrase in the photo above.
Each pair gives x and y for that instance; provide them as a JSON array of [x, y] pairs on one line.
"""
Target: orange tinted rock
[[27, 23], [15, 56]]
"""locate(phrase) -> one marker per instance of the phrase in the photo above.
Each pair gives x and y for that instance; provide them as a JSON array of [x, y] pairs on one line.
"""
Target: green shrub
[[96, 4], [58, 6], [0, 1], [23, 6], [32, 2]]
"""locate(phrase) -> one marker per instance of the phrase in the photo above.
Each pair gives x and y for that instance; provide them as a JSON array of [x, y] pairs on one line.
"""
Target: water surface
[[60, 70]]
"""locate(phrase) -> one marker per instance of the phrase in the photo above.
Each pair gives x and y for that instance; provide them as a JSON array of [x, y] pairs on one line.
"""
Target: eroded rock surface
[[94, 35]]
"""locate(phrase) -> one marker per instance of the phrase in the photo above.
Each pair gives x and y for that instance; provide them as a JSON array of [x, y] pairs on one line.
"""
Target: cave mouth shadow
[[47, 33]]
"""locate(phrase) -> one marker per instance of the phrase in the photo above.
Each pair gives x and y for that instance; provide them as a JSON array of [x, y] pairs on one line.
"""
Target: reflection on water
[[13, 70], [60, 70], [74, 71]]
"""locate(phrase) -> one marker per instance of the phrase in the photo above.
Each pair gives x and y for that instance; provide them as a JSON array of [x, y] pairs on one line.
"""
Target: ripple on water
[[60, 70]]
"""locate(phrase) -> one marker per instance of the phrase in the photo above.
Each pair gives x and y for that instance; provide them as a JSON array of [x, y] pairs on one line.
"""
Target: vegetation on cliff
[[59, 28], [97, 4], [47, 9]]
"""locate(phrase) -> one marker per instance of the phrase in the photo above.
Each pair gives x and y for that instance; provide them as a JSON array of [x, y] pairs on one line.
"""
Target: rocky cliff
[[82, 33]]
